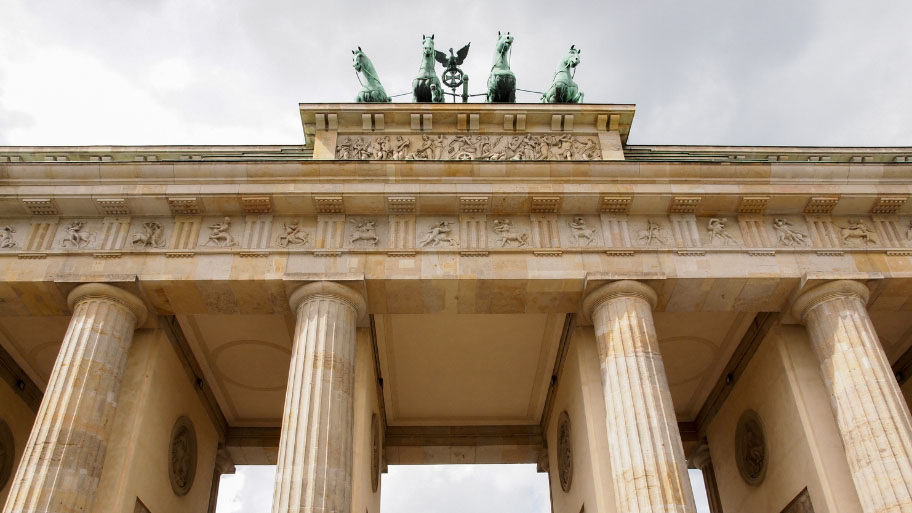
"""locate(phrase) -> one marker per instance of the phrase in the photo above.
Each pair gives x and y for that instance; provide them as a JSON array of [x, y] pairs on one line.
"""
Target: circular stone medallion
[[750, 448], [375, 452], [182, 456], [564, 452], [7, 453]]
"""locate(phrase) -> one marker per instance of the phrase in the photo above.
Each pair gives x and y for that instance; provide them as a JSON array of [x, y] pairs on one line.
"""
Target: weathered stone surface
[[869, 408], [62, 463], [314, 471], [647, 459]]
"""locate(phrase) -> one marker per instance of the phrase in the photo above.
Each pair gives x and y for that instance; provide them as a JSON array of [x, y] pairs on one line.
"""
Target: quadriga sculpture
[[502, 81], [563, 89], [426, 86], [371, 89]]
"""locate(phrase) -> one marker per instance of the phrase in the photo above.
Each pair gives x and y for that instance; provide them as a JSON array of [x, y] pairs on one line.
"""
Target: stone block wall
[[366, 405], [783, 385], [156, 391], [579, 393]]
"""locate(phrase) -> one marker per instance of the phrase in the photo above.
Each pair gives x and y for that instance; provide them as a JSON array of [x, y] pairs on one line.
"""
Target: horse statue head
[[427, 44], [371, 89], [502, 81], [563, 89], [426, 86], [502, 51]]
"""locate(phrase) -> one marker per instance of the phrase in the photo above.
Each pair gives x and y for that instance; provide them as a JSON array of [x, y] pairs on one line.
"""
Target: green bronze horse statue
[[426, 86], [502, 81], [371, 89], [563, 89]]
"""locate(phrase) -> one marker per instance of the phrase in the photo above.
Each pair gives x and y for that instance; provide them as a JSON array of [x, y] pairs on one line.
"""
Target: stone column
[[223, 465], [702, 461], [647, 459], [314, 472], [866, 400], [63, 459]]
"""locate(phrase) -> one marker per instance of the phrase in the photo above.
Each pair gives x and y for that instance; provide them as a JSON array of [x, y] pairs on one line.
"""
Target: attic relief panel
[[528, 147]]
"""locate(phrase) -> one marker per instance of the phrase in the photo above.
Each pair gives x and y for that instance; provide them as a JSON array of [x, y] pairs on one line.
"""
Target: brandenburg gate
[[428, 283]]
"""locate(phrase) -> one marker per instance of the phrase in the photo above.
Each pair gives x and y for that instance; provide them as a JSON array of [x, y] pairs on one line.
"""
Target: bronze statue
[[502, 81], [453, 76], [426, 87], [372, 91], [563, 89]]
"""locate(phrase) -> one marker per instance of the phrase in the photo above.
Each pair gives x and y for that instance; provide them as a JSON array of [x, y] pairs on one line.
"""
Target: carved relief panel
[[788, 231], [182, 456], [293, 232], [438, 232], [564, 451], [581, 231], [366, 232], [509, 232], [525, 147], [751, 452], [78, 234], [856, 231], [221, 232], [149, 233], [719, 231]]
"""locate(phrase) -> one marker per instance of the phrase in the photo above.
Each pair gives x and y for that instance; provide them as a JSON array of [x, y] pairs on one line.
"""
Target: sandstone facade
[[444, 283]]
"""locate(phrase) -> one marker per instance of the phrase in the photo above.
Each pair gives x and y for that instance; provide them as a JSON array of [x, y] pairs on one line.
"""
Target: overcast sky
[[794, 72], [790, 72]]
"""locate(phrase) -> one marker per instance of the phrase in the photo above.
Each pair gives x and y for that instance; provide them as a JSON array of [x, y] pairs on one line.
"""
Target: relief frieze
[[336, 233], [528, 147]]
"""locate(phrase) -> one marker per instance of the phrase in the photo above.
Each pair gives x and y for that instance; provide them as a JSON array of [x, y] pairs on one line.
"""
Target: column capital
[[111, 293], [829, 291], [700, 457], [329, 289], [618, 289], [223, 462]]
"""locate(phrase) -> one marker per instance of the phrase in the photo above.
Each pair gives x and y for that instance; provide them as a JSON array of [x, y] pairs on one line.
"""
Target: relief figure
[[504, 230], [151, 236], [653, 234], [365, 231], [219, 234], [857, 232], [581, 232], [717, 231], [439, 232], [6, 237], [75, 237], [293, 235], [786, 235]]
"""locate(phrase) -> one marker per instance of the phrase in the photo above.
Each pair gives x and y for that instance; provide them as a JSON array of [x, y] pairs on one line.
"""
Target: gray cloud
[[708, 71]]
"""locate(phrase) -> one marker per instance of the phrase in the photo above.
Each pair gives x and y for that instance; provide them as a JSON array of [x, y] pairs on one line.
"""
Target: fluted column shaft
[[314, 473], [647, 459], [866, 400], [63, 458]]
